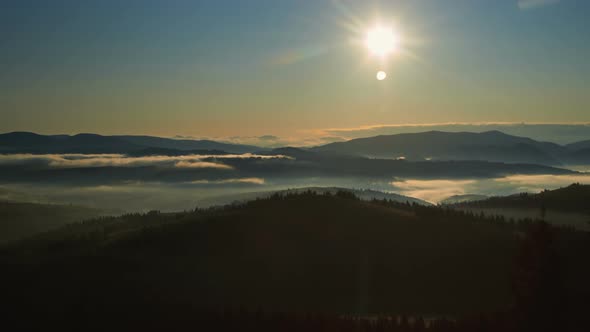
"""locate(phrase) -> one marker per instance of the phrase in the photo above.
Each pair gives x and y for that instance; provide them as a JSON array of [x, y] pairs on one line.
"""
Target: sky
[[287, 68]]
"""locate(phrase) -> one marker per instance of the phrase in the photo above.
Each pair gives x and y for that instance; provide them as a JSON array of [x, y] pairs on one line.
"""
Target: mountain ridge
[[438, 145], [28, 142], [492, 146]]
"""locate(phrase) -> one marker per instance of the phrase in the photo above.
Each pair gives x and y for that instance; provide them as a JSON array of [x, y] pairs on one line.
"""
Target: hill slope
[[579, 145], [18, 220], [298, 253], [302, 252]]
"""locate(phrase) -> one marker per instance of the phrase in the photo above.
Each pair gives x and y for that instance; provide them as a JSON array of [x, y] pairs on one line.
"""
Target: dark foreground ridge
[[323, 261]]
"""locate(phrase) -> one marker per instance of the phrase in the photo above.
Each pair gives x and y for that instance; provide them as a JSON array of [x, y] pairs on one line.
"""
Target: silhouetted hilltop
[[363, 194]]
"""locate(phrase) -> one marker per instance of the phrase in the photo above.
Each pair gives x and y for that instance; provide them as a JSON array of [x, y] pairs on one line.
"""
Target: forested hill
[[299, 252], [363, 194], [19, 220], [574, 198]]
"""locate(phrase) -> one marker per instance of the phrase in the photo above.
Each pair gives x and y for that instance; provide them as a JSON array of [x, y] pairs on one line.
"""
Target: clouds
[[531, 4], [256, 181], [118, 160], [131, 196], [272, 141], [200, 164], [432, 190], [435, 191], [536, 183]]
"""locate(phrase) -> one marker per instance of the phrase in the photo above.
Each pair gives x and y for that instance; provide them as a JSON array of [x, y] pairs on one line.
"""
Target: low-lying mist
[[437, 190], [164, 196]]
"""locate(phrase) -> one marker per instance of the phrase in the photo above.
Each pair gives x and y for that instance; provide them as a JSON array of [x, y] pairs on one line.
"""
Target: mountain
[[298, 153], [288, 253], [580, 156], [436, 145], [579, 145], [184, 144], [580, 152], [24, 142], [492, 146], [296, 252]]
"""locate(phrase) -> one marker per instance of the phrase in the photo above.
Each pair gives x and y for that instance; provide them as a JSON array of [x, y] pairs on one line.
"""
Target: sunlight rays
[[381, 39]]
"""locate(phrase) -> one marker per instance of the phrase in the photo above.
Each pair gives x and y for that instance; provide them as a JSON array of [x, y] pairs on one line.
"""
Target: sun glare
[[382, 41], [381, 75]]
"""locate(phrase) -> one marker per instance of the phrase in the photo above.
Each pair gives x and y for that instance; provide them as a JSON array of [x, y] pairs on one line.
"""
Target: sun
[[382, 41]]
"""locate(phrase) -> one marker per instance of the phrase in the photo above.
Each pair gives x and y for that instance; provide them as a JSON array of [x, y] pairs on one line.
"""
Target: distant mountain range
[[25, 142], [436, 145], [493, 146]]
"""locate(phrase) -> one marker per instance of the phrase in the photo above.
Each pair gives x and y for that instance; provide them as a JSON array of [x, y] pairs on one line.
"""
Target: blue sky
[[225, 68]]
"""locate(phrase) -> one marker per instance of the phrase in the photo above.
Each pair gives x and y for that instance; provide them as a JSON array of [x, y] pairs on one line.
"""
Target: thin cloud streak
[[118, 160], [258, 181], [201, 164]]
